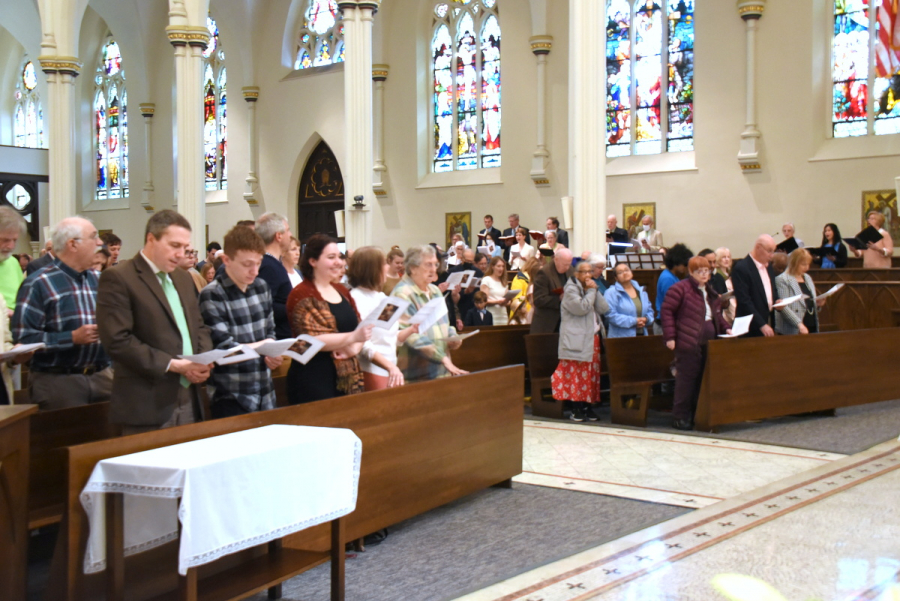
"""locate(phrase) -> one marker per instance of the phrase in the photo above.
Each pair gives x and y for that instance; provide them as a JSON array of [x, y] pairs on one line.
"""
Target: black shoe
[[683, 424], [578, 415], [591, 414]]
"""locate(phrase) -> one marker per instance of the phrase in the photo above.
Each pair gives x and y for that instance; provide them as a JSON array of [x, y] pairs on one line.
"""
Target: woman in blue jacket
[[630, 311]]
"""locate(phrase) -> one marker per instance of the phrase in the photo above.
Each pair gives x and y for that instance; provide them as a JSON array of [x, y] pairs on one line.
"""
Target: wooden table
[[14, 437]]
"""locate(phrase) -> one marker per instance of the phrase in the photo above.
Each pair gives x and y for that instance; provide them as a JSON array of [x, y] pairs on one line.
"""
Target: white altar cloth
[[237, 491]]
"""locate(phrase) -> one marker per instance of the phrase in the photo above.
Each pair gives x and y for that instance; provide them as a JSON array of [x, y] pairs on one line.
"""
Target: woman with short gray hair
[[425, 354]]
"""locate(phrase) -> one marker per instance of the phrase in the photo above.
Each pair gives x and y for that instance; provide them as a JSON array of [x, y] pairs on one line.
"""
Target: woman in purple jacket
[[691, 316]]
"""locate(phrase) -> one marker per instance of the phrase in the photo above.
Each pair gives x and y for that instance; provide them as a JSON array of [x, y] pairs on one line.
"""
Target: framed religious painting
[[632, 214], [885, 202], [458, 223]]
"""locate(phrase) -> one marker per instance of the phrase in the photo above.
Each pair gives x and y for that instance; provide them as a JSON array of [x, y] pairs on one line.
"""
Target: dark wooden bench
[[543, 357], [860, 305], [14, 444], [635, 366], [491, 347], [855, 275], [424, 445], [758, 378]]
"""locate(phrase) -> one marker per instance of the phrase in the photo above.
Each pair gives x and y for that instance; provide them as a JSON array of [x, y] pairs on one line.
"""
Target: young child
[[237, 308], [479, 316]]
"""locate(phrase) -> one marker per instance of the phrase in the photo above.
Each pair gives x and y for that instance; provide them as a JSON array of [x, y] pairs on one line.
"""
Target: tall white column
[[60, 124], [540, 46], [190, 194], [748, 156], [251, 95], [358, 135], [147, 111], [587, 123], [379, 75]]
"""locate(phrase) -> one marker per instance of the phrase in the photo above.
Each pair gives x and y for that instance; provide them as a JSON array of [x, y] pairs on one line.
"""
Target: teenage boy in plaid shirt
[[237, 308]]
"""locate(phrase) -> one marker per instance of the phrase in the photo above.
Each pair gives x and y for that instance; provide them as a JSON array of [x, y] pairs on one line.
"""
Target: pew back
[[855, 275], [757, 378], [860, 305], [424, 445], [492, 347]]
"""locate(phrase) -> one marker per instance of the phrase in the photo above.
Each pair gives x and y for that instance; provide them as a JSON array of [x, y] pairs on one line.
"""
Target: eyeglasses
[[703, 271]]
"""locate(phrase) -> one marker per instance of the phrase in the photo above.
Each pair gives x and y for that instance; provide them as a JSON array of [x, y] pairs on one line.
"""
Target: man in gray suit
[[148, 315], [548, 290]]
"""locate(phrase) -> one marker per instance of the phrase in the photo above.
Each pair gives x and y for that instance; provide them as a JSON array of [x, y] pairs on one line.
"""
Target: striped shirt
[[52, 303], [235, 317]]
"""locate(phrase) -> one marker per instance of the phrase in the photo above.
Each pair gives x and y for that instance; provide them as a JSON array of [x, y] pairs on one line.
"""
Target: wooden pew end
[[629, 403]]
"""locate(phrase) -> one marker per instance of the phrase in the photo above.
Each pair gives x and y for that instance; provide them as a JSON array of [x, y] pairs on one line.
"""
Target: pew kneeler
[[543, 357]]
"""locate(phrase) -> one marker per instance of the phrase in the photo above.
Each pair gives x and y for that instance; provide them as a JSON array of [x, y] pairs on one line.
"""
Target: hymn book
[[831, 291], [430, 314], [387, 313], [788, 246], [862, 239]]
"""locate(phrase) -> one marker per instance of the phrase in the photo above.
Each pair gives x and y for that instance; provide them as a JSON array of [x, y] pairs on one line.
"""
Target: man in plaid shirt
[[57, 305], [237, 308]]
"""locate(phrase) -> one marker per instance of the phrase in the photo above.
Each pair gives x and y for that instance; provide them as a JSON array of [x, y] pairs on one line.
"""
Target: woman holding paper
[[877, 255], [691, 316], [521, 251], [801, 316], [494, 284], [425, 355], [378, 359], [321, 308]]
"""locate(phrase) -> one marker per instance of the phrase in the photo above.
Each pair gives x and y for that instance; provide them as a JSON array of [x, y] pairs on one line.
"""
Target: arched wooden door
[[321, 194]]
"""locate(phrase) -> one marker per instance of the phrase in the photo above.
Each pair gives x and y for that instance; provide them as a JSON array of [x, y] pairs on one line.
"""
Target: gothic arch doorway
[[321, 194]]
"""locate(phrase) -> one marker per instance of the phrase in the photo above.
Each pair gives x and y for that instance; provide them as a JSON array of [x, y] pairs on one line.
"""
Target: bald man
[[754, 286], [548, 288], [614, 233]]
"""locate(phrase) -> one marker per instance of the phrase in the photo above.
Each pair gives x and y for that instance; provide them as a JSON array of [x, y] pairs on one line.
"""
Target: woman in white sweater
[[495, 285]]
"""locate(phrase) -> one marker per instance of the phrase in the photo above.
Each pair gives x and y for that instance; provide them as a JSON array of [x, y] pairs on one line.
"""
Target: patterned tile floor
[[688, 471], [828, 533]]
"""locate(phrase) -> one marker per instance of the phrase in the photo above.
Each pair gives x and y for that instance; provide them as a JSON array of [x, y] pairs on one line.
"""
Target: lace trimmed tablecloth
[[237, 491]]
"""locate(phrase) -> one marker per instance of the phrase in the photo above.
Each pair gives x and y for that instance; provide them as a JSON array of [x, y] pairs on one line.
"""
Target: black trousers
[[690, 363], [226, 407]]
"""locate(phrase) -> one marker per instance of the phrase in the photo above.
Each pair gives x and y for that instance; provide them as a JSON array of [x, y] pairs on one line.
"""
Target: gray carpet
[[479, 540], [851, 430]]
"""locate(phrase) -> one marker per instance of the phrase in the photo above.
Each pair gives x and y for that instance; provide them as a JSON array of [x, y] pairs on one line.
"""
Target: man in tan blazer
[[143, 308], [548, 288]]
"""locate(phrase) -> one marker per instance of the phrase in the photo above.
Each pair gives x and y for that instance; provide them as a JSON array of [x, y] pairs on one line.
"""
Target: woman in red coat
[[691, 316]]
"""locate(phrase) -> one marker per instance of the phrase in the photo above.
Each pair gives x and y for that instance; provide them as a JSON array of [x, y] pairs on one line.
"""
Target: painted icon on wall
[[458, 223], [885, 202]]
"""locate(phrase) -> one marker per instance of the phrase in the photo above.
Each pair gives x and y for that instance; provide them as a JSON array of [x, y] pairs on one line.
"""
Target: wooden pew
[[854, 262], [860, 305], [758, 378], [424, 445], [635, 365], [51, 432], [855, 275], [14, 427], [492, 347]]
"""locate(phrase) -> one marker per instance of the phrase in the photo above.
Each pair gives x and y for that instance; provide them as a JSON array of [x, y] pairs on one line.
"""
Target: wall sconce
[[358, 202]]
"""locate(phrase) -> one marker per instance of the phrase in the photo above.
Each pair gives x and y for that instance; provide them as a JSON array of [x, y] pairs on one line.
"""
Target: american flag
[[887, 46]]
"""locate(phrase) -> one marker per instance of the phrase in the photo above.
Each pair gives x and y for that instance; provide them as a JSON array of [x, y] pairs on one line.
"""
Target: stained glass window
[[649, 45], [215, 112], [110, 124], [321, 39], [866, 68], [465, 63], [28, 126]]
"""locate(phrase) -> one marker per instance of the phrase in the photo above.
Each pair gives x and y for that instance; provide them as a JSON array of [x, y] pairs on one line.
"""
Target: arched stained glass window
[[465, 63], [215, 112], [649, 46], [863, 62], [28, 126], [110, 124], [321, 39]]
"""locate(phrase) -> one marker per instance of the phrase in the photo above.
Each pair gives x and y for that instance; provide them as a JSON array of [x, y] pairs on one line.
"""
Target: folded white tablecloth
[[237, 491]]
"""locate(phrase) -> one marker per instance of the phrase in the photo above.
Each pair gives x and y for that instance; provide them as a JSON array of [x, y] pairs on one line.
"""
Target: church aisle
[[688, 471], [828, 533]]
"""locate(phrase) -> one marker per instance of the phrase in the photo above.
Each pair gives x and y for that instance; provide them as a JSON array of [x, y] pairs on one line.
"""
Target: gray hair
[[597, 259], [720, 252], [10, 219], [415, 255], [269, 225], [67, 229]]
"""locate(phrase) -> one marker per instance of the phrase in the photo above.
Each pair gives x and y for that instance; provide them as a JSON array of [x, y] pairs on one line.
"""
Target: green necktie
[[178, 310]]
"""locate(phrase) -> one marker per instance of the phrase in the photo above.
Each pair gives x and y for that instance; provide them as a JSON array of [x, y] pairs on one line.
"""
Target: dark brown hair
[[242, 237], [366, 269], [161, 221], [313, 250], [110, 239]]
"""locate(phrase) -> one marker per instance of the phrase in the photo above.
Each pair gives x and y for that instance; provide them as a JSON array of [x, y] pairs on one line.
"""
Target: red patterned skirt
[[578, 380]]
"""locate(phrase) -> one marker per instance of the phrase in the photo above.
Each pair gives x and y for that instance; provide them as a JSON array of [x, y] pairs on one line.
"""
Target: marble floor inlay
[[829, 533], [688, 471]]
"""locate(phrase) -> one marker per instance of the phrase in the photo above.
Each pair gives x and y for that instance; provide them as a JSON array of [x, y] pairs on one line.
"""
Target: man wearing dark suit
[[616, 233], [148, 316], [511, 231], [489, 229], [754, 286], [548, 286], [562, 236], [40, 261]]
